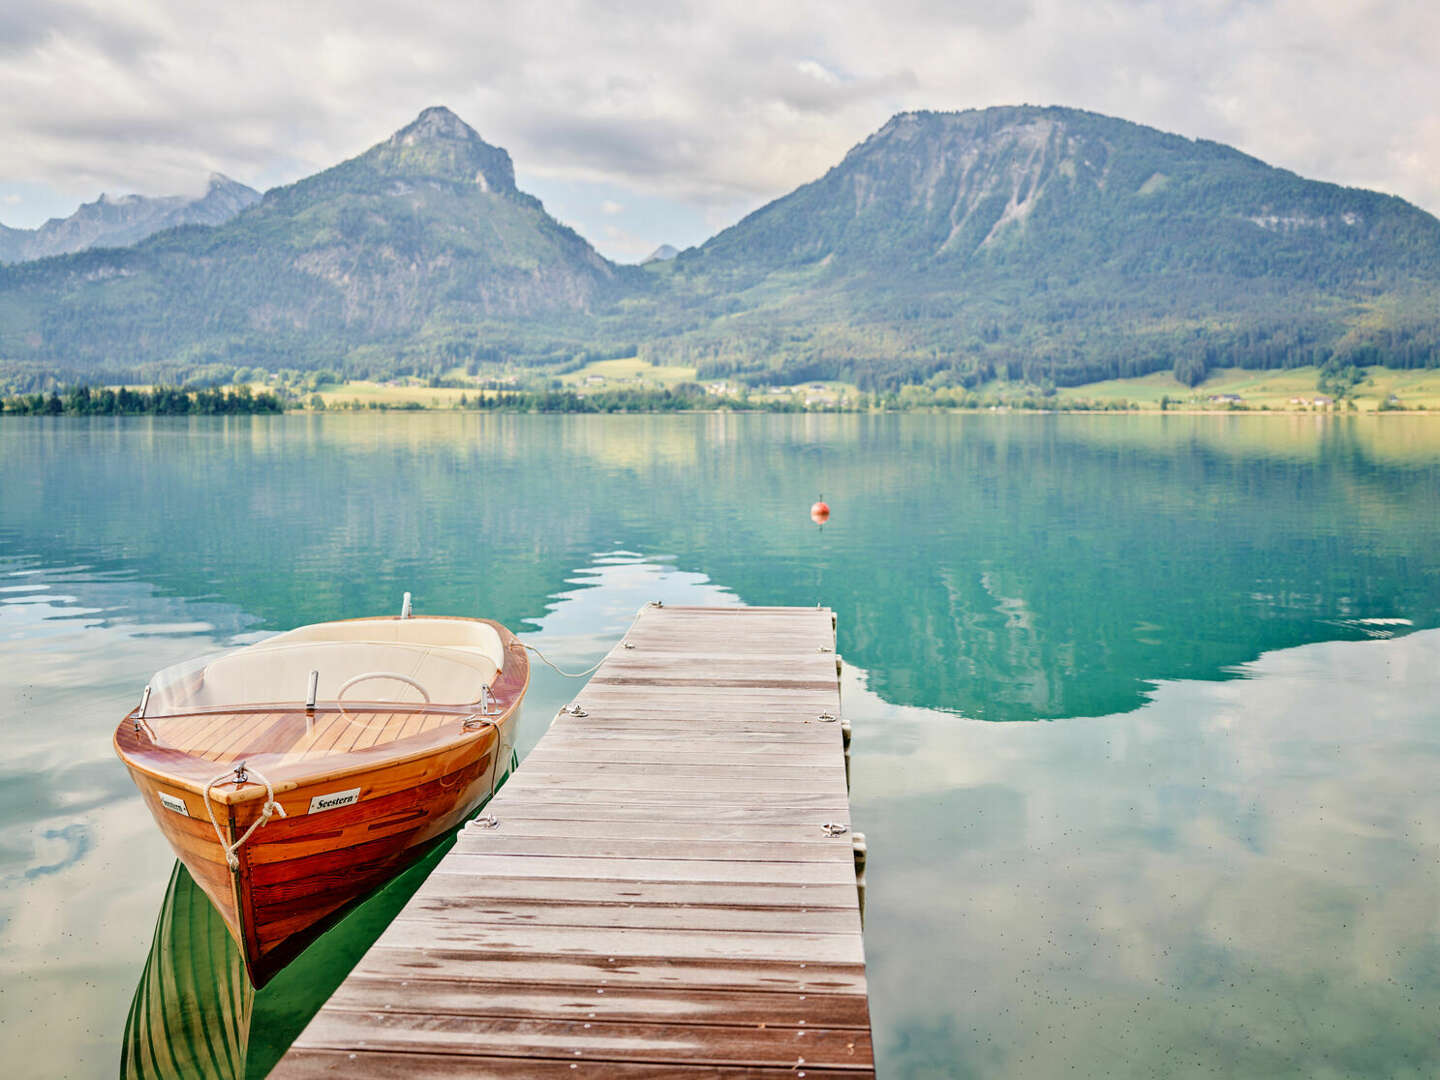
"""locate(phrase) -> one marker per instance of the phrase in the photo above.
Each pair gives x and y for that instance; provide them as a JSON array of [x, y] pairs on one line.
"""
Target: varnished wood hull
[[298, 873]]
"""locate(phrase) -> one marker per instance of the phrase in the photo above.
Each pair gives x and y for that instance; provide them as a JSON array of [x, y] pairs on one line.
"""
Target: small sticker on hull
[[170, 802], [334, 799]]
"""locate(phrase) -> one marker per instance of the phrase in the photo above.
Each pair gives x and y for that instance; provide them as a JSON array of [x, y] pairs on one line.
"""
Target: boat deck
[[659, 895]]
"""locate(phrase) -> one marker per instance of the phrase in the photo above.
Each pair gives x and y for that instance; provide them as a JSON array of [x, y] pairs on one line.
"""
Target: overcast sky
[[644, 123]]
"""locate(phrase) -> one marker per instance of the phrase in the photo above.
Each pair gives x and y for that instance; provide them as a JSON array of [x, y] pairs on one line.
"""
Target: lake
[[1146, 708]]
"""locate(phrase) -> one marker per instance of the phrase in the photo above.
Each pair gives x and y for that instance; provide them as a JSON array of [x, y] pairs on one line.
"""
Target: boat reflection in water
[[195, 1015]]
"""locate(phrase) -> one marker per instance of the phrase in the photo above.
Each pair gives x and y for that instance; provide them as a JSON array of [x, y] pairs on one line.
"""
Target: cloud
[[611, 207], [624, 244], [720, 107]]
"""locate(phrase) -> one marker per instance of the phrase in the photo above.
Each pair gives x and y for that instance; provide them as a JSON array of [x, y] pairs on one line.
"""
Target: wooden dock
[[666, 889]]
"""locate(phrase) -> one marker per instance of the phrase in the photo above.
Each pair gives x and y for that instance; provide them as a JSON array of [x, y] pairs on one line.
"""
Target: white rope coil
[[241, 775]]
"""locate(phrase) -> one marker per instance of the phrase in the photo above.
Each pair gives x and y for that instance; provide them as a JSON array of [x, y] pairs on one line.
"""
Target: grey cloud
[[27, 24], [711, 105]]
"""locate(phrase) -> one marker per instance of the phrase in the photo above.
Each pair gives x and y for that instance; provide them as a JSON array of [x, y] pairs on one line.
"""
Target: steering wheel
[[348, 683]]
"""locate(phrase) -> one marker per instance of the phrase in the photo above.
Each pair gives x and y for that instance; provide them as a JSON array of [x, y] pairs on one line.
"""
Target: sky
[[645, 123]]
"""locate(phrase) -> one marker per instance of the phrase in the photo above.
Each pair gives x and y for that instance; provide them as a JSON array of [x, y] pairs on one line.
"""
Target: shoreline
[[921, 411]]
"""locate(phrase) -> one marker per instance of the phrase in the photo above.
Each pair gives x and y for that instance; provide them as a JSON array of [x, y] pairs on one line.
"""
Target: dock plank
[[661, 892], [571, 1040], [469, 909], [305, 1064], [697, 848], [726, 1007], [605, 974], [698, 898]]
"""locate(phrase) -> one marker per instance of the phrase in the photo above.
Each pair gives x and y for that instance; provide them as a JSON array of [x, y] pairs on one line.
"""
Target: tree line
[[160, 401]]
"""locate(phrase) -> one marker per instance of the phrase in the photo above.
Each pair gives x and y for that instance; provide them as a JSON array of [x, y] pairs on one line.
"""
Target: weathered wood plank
[[468, 909], [604, 973], [687, 944], [463, 997], [558, 866], [656, 779], [654, 753], [306, 1064], [647, 771], [447, 881], [655, 893], [588, 1040], [837, 850], [520, 822], [821, 805], [554, 807]]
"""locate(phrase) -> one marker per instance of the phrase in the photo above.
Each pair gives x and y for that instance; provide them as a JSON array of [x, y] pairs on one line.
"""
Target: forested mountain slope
[[1064, 244], [387, 253]]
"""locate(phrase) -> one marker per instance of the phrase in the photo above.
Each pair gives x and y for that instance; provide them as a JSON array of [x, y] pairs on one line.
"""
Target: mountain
[[664, 253], [1058, 244], [956, 188], [1049, 244], [422, 245], [119, 221]]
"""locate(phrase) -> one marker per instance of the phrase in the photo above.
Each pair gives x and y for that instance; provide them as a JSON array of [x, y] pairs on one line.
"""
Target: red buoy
[[820, 513]]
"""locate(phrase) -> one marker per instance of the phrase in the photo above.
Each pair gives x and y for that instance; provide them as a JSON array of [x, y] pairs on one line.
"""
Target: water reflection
[[1237, 879], [195, 1015], [191, 1013], [1006, 567], [1222, 859]]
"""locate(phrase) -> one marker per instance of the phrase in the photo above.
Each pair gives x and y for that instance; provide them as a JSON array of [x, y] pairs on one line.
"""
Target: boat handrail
[[340, 694]]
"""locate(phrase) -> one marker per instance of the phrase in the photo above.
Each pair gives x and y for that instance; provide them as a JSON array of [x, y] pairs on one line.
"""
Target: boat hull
[[297, 872], [365, 792]]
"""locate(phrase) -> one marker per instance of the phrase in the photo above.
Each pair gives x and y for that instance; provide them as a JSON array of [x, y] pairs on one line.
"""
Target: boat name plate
[[334, 799], [170, 802]]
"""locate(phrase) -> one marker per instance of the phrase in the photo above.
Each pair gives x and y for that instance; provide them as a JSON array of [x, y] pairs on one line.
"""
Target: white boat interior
[[414, 661]]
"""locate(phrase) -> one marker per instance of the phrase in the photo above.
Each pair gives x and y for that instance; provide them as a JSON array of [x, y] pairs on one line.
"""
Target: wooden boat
[[288, 793]]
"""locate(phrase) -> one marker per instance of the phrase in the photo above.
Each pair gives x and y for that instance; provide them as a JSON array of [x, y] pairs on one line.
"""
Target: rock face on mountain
[[429, 224], [414, 243], [953, 188], [119, 221]]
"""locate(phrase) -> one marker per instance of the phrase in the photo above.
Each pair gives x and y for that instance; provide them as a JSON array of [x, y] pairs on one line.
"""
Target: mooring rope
[[567, 674], [241, 775]]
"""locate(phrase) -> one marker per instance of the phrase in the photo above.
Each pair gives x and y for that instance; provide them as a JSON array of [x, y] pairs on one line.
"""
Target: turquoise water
[[1146, 708]]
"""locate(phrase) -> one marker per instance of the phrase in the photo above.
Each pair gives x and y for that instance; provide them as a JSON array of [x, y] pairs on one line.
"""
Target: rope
[[567, 674], [240, 775]]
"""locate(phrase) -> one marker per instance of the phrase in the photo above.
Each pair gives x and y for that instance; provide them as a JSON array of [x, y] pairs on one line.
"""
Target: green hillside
[[1055, 244], [420, 247]]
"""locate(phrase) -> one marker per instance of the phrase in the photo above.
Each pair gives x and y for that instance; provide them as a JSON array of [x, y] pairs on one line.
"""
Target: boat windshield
[[278, 673]]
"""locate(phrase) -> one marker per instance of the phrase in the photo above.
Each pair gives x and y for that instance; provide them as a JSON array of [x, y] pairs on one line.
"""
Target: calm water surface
[[1146, 710]]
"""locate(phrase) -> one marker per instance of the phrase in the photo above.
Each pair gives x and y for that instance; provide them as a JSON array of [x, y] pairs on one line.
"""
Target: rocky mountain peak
[[436, 122], [437, 143], [121, 220]]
